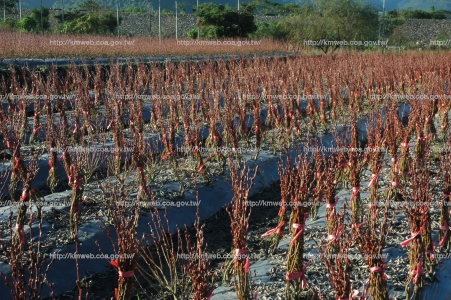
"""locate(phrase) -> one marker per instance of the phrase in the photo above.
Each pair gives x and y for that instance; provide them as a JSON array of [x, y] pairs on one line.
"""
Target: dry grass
[[21, 45]]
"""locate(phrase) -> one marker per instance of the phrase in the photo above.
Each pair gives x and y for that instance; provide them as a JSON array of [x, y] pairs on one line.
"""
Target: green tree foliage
[[425, 5], [8, 25], [333, 20], [395, 18], [271, 30], [32, 22], [421, 14], [167, 12], [181, 7], [105, 4], [90, 5], [133, 9], [392, 20], [9, 4], [92, 24], [219, 21], [69, 15], [269, 8]]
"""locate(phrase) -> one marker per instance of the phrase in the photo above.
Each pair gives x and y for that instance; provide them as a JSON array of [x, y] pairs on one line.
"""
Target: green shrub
[[28, 24], [133, 10], [415, 14], [9, 4], [69, 15], [268, 8], [32, 22], [9, 25], [192, 34], [92, 24], [271, 30], [90, 5], [333, 20], [109, 22], [220, 21], [10, 22]]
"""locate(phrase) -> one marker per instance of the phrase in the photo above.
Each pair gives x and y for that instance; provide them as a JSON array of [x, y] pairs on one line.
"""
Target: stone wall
[[426, 30], [146, 24]]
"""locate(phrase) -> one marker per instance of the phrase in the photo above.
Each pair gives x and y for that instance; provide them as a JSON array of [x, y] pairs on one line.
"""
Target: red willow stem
[[418, 217], [338, 264], [239, 214], [274, 236], [370, 237], [445, 232], [301, 175], [126, 246], [197, 266], [357, 164], [29, 269]]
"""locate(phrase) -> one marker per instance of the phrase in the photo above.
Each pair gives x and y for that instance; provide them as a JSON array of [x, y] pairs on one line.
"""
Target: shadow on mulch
[[218, 238]]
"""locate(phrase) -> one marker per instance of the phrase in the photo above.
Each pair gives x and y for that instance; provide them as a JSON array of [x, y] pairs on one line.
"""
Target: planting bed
[[354, 197]]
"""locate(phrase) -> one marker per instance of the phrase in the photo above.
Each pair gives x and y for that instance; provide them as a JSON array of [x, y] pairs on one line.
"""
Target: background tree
[[10, 4], [333, 20], [219, 21], [90, 5], [32, 22]]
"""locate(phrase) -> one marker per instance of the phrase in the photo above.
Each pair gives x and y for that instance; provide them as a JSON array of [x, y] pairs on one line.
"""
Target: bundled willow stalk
[[73, 165], [320, 184], [139, 152], [445, 232], [393, 130], [239, 214], [330, 194], [19, 172], [197, 266], [36, 123], [418, 218], [404, 133], [301, 175], [162, 270], [258, 125], [29, 269], [338, 266], [444, 110], [374, 154], [53, 178], [370, 237], [422, 165], [202, 168], [215, 138], [356, 166], [125, 223], [429, 112], [274, 236], [341, 159]]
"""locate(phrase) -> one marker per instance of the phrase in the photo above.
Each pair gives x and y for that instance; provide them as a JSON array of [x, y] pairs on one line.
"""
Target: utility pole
[[117, 17], [20, 10], [4, 11], [383, 26], [176, 22], [238, 5], [42, 18], [198, 28], [159, 20], [62, 14]]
